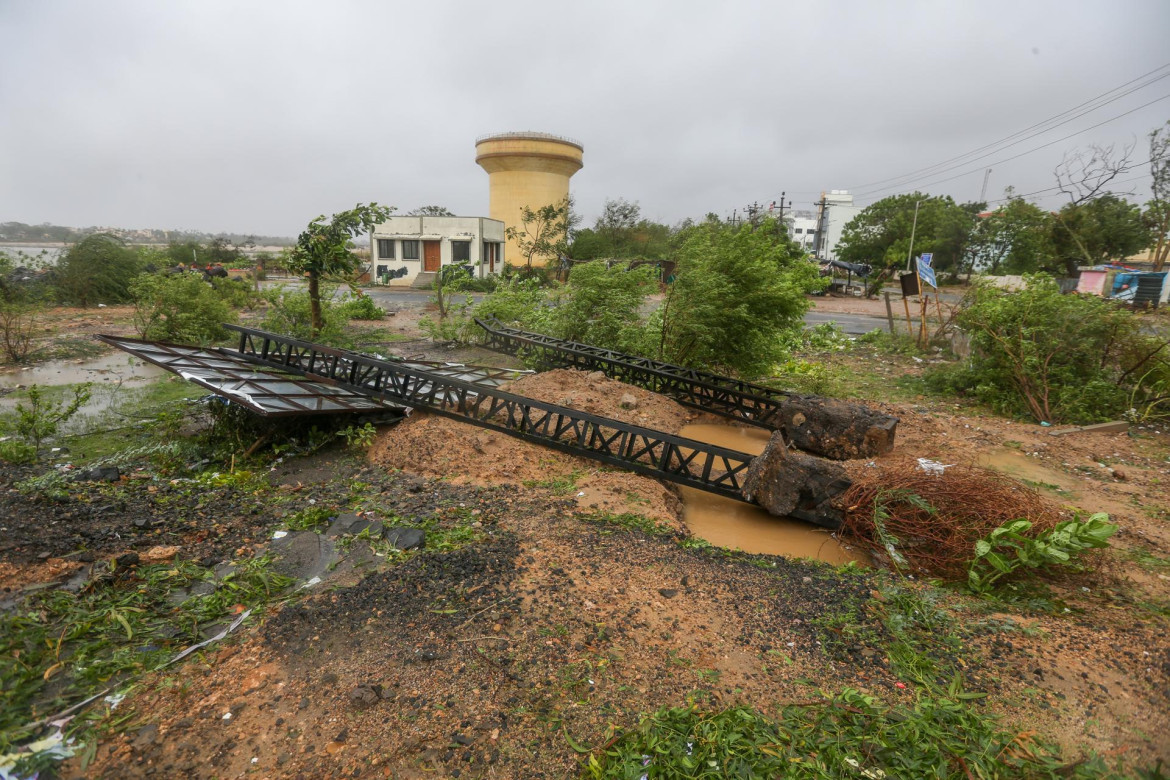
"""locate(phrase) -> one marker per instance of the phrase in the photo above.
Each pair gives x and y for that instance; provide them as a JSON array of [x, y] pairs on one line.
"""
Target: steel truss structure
[[653, 453], [741, 401], [265, 391]]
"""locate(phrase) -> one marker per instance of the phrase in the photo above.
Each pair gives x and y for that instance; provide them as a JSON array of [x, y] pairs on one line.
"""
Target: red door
[[430, 255]]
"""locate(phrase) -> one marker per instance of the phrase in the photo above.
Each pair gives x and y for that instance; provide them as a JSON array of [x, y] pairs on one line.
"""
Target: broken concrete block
[[352, 524], [98, 474], [836, 429], [793, 484], [405, 538]]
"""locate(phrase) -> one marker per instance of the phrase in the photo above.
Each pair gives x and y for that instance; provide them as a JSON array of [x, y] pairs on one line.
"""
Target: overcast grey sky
[[257, 116]]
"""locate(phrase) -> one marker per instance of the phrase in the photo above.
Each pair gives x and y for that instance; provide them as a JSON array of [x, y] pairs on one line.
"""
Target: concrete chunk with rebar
[[793, 484], [835, 429]]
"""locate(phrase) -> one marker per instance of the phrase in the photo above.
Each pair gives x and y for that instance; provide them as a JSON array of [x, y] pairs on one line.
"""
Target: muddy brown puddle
[[733, 524]]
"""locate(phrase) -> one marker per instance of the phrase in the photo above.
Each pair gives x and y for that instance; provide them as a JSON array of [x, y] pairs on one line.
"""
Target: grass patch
[[847, 735], [1148, 561], [562, 485], [58, 648], [629, 521], [942, 732], [310, 518]]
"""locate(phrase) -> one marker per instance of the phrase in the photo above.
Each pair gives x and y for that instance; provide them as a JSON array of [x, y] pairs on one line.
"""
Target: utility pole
[[913, 228], [782, 194], [822, 227], [983, 192]]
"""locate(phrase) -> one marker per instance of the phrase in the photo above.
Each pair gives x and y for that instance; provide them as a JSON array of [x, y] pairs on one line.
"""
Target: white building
[[401, 248], [834, 211], [802, 228]]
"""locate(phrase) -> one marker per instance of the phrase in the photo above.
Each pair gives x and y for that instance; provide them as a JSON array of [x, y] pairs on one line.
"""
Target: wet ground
[[736, 525]]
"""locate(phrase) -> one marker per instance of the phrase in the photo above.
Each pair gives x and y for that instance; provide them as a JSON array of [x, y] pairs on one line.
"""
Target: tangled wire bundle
[[934, 520]]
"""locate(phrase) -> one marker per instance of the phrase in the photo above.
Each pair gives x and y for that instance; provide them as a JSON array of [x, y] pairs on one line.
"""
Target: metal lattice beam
[[741, 401], [653, 453], [262, 390]]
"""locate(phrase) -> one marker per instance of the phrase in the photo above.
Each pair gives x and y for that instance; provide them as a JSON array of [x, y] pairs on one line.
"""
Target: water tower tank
[[526, 169]]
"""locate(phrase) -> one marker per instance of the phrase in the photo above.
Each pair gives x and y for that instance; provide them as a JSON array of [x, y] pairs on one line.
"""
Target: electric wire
[[1014, 156], [943, 165]]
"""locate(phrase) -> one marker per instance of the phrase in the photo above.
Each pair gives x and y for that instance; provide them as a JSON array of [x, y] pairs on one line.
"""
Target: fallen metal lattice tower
[[827, 427], [649, 452], [269, 392], [743, 401]]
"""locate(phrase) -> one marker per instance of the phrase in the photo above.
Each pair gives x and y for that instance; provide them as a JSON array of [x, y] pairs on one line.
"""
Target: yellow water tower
[[526, 169]]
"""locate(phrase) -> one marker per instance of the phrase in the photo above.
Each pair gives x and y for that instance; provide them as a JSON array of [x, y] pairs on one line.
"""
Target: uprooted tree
[[323, 249]]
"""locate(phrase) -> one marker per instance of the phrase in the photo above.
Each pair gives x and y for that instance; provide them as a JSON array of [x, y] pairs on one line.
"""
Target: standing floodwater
[[728, 523]]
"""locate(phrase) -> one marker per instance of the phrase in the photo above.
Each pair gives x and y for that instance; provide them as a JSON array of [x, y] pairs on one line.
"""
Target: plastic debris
[[280, 534], [53, 746], [114, 699], [933, 466]]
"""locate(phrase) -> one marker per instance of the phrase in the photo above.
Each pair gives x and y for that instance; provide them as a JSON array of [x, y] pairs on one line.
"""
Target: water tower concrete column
[[526, 169]]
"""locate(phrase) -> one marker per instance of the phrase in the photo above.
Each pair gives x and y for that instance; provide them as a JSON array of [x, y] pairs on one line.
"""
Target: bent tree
[[323, 249]]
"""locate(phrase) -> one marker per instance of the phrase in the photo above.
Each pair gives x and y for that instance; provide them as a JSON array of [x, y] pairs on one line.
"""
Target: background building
[[409, 250], [802, 228], [834, 211], [526, 169]]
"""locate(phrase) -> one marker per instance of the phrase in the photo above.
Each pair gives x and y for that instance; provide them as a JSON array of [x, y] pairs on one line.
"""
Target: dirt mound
[[437, 446]]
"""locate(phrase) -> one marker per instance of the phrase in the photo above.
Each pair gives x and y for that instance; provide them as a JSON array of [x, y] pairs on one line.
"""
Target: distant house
[[401, 248], [802, 228]]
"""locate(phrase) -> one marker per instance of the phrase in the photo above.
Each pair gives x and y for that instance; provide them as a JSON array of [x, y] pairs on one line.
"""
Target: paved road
[[404, 298], [853, 324]]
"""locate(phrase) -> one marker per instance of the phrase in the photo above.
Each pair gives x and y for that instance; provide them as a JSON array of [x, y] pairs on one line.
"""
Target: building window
[[386, 248], [799, 231], [410, 250], [460, 251]]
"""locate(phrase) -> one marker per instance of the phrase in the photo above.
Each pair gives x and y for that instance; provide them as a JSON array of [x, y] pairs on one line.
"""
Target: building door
[[430, 255], [489, 251]]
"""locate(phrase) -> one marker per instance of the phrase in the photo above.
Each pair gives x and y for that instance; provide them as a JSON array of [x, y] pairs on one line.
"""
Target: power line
[[1021, 154], [1057, 189], [942, 166]]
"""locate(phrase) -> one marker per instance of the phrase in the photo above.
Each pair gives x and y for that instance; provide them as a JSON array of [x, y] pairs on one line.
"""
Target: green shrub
[[42, 418], [236, 293], [17, 452], [359, 307], [97, 269], [1059, 358], [600, 305], [738, 293], [290, 314], [181, 308], [518, 301], [1008, 549], [810, 377], [890, 343]]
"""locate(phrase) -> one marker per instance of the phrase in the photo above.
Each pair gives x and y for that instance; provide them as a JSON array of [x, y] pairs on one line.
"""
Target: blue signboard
[[925, 272], [926, 257]]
